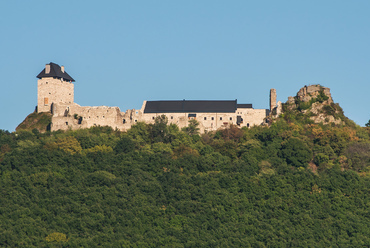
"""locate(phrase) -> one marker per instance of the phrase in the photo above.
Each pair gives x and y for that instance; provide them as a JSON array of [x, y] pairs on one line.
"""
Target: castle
[[55, 94]]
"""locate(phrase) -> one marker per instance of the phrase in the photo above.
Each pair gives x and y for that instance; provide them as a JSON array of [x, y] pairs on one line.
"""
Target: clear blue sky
[[123, 52]]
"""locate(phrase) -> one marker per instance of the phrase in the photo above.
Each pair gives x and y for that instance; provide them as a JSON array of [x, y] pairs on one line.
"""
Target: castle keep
[[55, 94]]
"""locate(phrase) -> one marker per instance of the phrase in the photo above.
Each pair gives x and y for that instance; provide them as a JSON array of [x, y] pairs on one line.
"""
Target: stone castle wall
[[57, 96], [51, 90], [73, 116]]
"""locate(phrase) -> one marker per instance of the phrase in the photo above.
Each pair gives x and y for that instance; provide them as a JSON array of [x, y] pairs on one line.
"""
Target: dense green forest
[[293, 184]]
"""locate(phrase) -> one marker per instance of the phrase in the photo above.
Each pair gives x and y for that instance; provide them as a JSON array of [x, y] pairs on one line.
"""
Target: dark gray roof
[[190, 106], [55, 71], [245, 105]]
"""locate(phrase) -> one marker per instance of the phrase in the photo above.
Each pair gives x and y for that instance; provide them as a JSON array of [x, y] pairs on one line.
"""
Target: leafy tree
[[71, 189], [125, 144], [159, 130], [296, 152], [192, 128]]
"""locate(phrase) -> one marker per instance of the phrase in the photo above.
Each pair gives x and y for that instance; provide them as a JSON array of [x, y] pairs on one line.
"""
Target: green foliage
[[56, 237], [159, 131], [296, 152], [38, 121], [125, 144], [158, 186], [359, 156], [192, 128]]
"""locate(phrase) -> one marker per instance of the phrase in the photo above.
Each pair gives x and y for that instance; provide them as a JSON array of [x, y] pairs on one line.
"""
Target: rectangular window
[[171, 117], [46, 101], [205, 118], [220, 118], [231, 118], [213, 118]]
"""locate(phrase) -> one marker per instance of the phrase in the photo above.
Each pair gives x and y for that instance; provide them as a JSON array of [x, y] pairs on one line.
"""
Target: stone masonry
[[56, 94]]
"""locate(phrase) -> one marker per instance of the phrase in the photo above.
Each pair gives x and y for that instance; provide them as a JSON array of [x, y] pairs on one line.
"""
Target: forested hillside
[[293, 184]]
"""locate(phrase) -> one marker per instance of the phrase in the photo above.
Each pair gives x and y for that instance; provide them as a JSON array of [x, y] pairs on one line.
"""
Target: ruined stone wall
[[73, 116], [51, 90]]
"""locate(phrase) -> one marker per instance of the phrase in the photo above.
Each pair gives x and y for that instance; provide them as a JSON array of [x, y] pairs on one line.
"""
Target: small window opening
[[220, 118], [171, 117], [124, 121], [67, 123], [213, 118], [231, 118], [205, 118]]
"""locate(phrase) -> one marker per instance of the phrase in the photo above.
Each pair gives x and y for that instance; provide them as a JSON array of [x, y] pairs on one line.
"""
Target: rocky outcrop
[[316, 102], [321, 114], [307, 93]]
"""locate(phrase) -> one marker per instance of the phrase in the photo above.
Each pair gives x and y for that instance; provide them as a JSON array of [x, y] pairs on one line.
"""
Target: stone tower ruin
[[272, 99], [54, 86]]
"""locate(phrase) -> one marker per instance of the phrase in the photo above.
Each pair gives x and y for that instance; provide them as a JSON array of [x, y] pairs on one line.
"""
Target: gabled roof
[[55, 71], [190, 106]]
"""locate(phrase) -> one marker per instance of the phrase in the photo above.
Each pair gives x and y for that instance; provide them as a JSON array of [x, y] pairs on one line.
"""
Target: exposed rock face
[[316, 101], [320, 116], [306, 93]]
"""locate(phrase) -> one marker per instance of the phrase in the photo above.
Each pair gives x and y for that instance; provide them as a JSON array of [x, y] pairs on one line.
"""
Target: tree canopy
[[293, 184]]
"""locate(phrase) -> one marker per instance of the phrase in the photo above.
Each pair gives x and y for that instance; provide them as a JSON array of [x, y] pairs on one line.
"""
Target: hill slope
[[39, 121], [292, 184]]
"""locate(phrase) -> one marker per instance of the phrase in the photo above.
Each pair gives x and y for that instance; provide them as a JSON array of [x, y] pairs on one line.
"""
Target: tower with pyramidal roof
[[54, 86]]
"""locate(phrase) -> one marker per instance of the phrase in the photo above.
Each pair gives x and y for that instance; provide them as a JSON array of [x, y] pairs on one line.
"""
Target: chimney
[[62, 67], [47, 69]]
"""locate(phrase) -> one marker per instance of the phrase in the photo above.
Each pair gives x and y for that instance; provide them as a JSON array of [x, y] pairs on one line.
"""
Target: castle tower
[[272, 99], [54, 86]]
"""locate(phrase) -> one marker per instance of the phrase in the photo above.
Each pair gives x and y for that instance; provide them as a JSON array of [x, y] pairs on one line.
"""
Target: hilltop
[[293, 183], [312, 104]]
